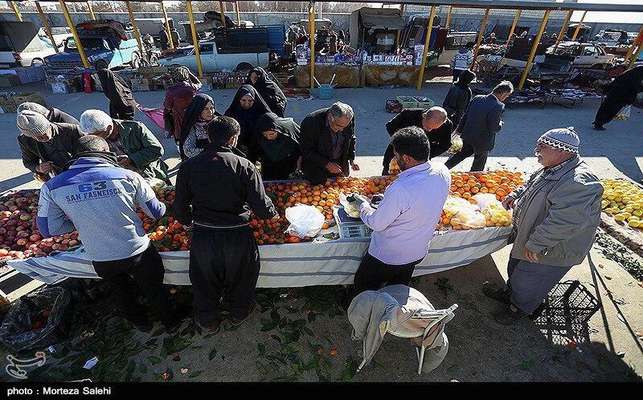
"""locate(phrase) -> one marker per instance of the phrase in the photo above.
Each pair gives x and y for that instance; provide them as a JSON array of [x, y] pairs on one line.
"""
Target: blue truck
[[107, 44]]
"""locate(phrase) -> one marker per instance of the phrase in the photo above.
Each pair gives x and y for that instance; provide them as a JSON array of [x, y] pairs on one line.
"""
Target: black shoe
[[210, 328], [238, 321], [494, 292], [509, 315], [599, 127]]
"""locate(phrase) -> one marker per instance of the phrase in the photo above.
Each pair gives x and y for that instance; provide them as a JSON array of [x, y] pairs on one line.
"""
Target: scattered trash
[[600, 266], [454, 380], [621, 354], [639, 334], [51, 349], [167, 375], [176, 357], [283, 295], [184, 371], [91, 363], [609, 278]]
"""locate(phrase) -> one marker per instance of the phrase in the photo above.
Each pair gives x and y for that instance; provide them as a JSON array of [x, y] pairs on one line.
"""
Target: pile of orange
[[500, 183]]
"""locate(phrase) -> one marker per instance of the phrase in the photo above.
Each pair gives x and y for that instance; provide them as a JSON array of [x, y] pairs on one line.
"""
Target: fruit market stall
[[473, 224]]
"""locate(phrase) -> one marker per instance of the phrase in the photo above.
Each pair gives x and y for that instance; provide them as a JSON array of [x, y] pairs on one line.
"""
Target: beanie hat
[[40, 109], [32, 123], [564, 139]]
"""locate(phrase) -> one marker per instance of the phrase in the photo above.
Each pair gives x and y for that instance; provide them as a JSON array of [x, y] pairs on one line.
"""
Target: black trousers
[[479, 158], [373, 274], [610, 106], [278, 170], [122, 113], [143, 272], [223, 263]]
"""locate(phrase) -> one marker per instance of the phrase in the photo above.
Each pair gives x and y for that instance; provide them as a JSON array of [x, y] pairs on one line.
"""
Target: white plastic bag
[[305, 221], [484, 200]]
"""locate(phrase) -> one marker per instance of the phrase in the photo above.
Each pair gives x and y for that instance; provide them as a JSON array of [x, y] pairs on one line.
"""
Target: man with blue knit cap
[[555, 217]]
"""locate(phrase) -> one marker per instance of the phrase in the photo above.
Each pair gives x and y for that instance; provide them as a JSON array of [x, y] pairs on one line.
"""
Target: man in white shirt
[[404, 222]]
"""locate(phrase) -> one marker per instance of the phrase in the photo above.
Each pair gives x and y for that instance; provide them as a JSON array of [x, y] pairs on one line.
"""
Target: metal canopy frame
[[518, 5]]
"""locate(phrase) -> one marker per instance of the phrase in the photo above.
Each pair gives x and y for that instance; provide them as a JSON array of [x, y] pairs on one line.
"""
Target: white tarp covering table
[[292, 265]]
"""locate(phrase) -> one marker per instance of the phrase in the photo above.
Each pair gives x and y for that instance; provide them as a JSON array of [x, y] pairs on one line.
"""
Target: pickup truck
[[104, 46], [577, 55], [214, 61]]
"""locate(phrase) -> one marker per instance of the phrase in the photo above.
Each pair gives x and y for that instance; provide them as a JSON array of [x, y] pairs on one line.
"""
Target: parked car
[[577, 55], [213, 60], [22, 44], [613, 37], [106, 44]]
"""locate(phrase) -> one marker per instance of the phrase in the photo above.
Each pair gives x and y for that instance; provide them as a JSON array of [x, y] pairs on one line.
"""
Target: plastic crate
[[350, 228], [570, 302]]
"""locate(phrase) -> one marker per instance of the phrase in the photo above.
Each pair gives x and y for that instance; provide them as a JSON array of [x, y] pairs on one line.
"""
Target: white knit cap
[[564, 139], [32, 123]]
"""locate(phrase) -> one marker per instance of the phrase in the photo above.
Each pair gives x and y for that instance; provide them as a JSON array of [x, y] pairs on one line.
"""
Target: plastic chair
[[436, 320]]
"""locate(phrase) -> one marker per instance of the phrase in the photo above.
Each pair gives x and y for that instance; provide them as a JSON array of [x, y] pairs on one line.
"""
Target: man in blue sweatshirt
[[99, 199]]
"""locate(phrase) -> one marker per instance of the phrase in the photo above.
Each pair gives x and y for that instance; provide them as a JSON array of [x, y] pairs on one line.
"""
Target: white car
[[578, 55], [23, 45], [214, 61]]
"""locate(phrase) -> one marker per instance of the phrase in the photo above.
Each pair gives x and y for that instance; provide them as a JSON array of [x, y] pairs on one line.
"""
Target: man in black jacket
[[46, 147], [328, 143], [435, 123], [223, 190]]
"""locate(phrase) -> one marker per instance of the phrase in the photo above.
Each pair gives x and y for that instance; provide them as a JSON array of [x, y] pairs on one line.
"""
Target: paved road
[[620, 148]]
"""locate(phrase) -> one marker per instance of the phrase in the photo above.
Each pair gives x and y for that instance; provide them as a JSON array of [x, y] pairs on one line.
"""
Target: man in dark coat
[[328, 143], [479, 126], [51, 113], [121, 101], [459, 96], [435, 124], [46, 147], [620, 93], [218, 192]]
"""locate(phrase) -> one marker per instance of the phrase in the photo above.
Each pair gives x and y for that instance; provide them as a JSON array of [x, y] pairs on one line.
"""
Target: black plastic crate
[[570, 302]]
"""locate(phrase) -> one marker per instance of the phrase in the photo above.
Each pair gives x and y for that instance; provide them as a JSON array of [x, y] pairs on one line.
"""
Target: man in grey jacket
[[555, 217], [479, 125]]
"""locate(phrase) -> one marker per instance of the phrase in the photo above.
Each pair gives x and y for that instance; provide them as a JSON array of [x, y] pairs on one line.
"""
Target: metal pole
[[170, 41], [634, 45], [425, 53], [448, 23], [321, 9], [399, 31], [483, 26], [222, 11], [563, 29], [514, 25], [14, 6], [91, 11], [137, 34], [534, 47], [45, 24], [236, 8], [311, 35], [70, 23], [195, 40], [580, 23]]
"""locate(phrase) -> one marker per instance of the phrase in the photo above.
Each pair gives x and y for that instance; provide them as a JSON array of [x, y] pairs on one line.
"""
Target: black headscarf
[[116, 89], [269, 90], [465, 78], [193, 113], [287, 141]]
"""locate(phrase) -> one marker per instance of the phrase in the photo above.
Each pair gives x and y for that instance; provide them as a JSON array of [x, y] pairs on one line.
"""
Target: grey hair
[[91, 143], [92, 121], [434, 112], [504, 87], [35, 107], [339, 109]]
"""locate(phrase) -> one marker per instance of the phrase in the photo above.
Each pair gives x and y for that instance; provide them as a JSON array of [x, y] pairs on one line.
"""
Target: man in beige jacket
[[556, 214]]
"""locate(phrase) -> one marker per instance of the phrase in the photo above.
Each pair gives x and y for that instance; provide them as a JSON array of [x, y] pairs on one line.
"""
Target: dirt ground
[[302, 335]]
